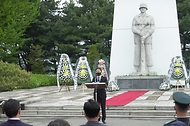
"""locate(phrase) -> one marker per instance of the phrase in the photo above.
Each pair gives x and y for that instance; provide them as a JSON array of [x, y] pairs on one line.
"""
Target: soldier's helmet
[[181, 98], [143, 5]]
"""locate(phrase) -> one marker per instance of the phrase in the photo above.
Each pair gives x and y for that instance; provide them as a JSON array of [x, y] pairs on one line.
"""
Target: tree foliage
[[90, 22], [183, 9], [16, 16], [71, 29], [36, 59], [45, 32], [92, 54]]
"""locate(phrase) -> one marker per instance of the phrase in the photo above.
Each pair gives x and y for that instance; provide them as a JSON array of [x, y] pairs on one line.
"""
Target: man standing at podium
[[101, 92]]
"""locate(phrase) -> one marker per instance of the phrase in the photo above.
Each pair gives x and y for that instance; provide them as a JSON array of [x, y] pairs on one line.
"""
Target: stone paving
[[50, 96]]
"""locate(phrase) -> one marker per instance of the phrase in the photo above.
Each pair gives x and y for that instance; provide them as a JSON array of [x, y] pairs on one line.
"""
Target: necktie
[[99, 78]]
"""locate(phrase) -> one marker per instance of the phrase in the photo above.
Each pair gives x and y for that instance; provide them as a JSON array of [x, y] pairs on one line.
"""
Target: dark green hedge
[[38, 80]]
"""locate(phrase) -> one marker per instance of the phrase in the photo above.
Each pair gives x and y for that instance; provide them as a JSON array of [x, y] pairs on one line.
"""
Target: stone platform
[[140, 82]]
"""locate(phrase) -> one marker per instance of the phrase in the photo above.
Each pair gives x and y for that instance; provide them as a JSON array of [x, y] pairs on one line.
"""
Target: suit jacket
[[185, 121], [14, 123], [101, 92], [93, 123]]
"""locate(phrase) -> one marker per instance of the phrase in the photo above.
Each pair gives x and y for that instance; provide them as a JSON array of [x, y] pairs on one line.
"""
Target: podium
[[96, 85]]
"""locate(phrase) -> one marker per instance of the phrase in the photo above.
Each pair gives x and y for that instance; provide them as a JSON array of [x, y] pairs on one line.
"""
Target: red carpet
[[125, 98]]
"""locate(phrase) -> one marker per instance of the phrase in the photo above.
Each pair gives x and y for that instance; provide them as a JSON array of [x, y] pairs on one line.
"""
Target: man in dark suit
[[101, 92], [92, 113], [12, 109]]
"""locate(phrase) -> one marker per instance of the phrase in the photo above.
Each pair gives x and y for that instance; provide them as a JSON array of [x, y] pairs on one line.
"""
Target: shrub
[[11, 76], [38, 80]]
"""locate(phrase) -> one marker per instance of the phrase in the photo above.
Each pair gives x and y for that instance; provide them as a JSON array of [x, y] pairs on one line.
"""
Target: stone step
[[77, 111], [28, 107], [108, 116], [109, 112], [140, 107]]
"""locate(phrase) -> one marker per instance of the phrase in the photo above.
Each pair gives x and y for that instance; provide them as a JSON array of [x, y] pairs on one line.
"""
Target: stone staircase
[[77, 111], [48, 102]]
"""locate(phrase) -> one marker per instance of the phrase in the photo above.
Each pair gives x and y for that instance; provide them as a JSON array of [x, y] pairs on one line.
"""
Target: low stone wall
[[140, 82]]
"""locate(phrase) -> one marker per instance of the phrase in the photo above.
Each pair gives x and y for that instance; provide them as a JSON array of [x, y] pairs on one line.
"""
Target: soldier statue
[[143, 28]]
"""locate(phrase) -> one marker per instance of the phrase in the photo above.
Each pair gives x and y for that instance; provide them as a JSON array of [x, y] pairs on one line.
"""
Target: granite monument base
[[140, 82]]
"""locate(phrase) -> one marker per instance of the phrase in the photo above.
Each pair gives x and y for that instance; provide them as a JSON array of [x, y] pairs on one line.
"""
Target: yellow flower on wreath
[[83, 65], [65, 67], [66, 73], [82, 72], [178, 63], [177, 70]]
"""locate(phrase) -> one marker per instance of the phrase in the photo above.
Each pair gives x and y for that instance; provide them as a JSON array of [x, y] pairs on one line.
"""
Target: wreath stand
[[83, 86], [66, 86], [179, 84]]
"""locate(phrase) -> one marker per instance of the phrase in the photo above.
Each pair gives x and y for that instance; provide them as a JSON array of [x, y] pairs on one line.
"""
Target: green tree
[[93, 54], [36, 59], [15, 16], [90, 22], [45, 32], [71, 29], [71, 50], [183, 9]]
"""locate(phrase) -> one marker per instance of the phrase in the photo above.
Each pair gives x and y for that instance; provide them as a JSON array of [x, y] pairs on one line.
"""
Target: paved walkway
[[50, 96]]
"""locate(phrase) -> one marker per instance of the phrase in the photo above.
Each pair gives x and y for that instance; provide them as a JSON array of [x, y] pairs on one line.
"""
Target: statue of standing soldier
[[143, 26]]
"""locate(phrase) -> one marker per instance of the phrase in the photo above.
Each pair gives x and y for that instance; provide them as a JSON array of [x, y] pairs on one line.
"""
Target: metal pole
[[96, 93]]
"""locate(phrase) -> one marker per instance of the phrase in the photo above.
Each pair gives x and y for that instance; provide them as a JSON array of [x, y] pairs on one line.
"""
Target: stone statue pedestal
[[140, 82], [145, 73]]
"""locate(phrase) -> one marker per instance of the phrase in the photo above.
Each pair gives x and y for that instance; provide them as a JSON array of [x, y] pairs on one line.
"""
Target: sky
[[62, 1]]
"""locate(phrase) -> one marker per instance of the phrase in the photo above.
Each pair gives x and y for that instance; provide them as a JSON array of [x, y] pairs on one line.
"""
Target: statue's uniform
[[143, 26]]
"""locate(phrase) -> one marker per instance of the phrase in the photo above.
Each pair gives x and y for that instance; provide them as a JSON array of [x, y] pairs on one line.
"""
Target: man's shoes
[[104, 122]]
